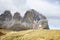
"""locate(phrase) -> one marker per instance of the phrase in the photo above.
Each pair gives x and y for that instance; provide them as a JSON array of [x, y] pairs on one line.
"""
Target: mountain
[[6, 16], [16, 22], [32, 15], [31, 20], [17, 16]]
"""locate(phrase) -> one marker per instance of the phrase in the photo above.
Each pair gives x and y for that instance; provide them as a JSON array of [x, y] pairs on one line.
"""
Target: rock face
[[6, 15], [43, 24], [30, 16], [31, 20], [17, 16], [5, 18], [34, 17]]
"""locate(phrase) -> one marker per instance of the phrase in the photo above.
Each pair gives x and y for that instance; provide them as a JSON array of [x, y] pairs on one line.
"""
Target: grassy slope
[[32, 35]]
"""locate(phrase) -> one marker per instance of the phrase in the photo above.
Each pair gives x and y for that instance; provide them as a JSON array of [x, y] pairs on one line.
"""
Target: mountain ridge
[[31, 19]]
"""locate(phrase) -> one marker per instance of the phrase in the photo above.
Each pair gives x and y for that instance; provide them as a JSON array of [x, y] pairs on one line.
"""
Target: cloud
[[14, 6], [49, 8], [7, 5], [42, 6], [54, 23], [45, 7]]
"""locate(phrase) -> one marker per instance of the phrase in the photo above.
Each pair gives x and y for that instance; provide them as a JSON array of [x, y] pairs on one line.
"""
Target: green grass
[[32, 35]]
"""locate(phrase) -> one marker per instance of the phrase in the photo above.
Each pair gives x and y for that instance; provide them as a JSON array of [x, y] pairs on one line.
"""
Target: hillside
[[32, 35]]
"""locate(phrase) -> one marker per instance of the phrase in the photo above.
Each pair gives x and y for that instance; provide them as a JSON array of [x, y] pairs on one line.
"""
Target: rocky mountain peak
[[32, 15], [17, 16], [6, 15]]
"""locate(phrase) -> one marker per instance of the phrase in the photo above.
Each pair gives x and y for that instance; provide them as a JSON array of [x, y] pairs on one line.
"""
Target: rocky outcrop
[[17, 16], [5, 19], [34, 17], [31, 20], [43, 24], [17, 22], [6, 15], [31, 15]]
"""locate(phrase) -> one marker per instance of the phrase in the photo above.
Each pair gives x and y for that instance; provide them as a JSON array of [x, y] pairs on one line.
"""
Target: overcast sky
[[49, 8]]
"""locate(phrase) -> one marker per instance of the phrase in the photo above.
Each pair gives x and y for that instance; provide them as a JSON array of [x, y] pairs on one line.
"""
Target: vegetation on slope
[[32, 35]]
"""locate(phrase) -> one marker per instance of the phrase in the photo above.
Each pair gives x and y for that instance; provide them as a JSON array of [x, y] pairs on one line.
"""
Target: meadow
[[30, 35]]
